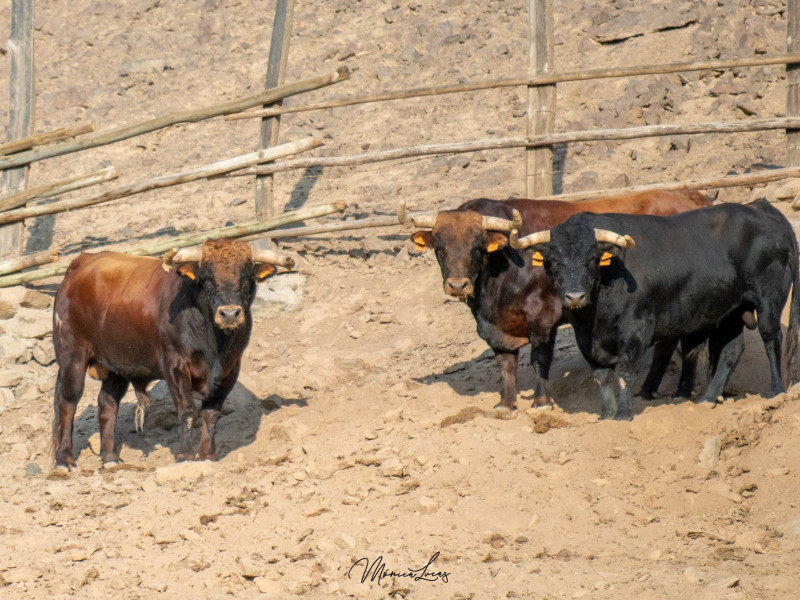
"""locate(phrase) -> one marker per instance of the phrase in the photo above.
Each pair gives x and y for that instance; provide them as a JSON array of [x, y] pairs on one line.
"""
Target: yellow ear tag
[[605, 260], [492, 247], [190, 275], [537, 260]]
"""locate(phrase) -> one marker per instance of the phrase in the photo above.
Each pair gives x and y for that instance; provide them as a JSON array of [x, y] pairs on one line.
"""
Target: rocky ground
[[361, 425]]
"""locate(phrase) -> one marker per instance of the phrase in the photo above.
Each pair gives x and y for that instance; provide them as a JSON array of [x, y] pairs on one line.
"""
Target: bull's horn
[[272, 257], [427, 220], [173, 256], [539, 237], [623, 241]]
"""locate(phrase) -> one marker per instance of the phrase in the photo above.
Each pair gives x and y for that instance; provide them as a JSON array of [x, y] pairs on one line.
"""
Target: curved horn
[[194, 253], [500, 224], [623, 241], [539, 237], [427, 220], [272, 257]]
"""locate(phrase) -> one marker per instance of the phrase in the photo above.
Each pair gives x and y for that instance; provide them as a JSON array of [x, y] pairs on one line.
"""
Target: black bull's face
[[462, 247], [573, 260]]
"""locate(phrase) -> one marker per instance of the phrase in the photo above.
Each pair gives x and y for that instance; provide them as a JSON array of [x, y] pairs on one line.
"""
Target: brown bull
[[513, 302], [133, 320]]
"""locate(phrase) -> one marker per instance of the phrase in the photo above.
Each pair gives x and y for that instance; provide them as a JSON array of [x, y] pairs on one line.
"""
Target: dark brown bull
[[133, 320], [513, 302]]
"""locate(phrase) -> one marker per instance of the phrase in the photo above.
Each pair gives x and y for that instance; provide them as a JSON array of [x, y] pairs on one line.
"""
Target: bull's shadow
[[237, 428], [574, 388]]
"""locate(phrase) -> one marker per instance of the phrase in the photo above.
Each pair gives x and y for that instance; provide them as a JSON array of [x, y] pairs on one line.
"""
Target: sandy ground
[[361, 425]]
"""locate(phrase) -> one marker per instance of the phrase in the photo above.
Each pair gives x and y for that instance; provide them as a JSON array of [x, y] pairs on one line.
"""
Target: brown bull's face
[[461, 247], [226, 277]]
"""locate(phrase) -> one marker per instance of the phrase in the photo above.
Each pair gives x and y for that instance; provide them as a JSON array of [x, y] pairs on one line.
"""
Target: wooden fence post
[[20, 119], [276, 72], [541, 98], [793, 83]]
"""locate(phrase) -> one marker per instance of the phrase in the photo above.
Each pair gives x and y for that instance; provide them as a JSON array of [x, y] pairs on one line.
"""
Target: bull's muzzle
[[575, 300], [229, 317], [460, 287]]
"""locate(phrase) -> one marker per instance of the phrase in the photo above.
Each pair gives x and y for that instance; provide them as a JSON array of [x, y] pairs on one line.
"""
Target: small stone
[[778, 471], [600, 482], [268, 586], [190, 535], [37, 300], [149, 485], [693, 576], [44, 353], [345, 541], [162, 535], [249, 568], [35, 329], [288, 431], [190, 472], [709, 457], [9, 379], [393, 416], [7, 310], [300, 475], [79, 554], [427, 506], [656, 555], [392, 467], [534, 521], [32, 469], [371, 435]]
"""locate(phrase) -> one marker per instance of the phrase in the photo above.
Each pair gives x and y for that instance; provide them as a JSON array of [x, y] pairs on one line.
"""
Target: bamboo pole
[[40, 139], [102, 138], [746, 179], [202, 172], [14, 265], [60, 187], [569, 76], [792, 82], [626, 133], [270, 126], [21, 109], [541, 98], [189, 240]]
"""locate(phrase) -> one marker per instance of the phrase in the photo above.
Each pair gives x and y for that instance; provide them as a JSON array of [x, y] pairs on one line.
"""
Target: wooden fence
[[541, 84]]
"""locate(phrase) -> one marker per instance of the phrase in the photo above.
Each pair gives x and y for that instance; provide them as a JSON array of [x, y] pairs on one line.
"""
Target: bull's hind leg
[[69, 389], [769, 326], [725, 348], [662, 354], [111, 392], [691, 347]]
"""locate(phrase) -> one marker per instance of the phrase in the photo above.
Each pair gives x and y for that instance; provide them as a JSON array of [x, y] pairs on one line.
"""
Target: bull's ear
[[264, 270], [188, 269], [495, 241], [422, 239], [609, 252]]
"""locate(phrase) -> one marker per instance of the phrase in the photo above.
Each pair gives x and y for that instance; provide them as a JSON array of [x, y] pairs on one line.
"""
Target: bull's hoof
[[708, 401], [183, 457], [646, 395], [210, 457], [501, 411], [63, 469], [543, 403], [623, 416], [110, 465]]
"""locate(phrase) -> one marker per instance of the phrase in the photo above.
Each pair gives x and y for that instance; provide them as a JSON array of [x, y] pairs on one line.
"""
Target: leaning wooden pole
[[541, 98], [20, 120], [793, 82], [591, 135], [189, 240], [20, 263], [60, 187], [203, 172], [270, 126], [40, 139], [184, 116]]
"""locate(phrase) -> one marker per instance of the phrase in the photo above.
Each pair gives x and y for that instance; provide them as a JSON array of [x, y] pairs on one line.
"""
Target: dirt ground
[[361, 426]]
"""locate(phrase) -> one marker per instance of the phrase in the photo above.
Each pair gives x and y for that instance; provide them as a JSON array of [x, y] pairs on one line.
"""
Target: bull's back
[[108, 303]]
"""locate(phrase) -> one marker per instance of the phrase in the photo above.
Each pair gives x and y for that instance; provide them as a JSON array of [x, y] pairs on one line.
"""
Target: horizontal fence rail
[[758, 61]]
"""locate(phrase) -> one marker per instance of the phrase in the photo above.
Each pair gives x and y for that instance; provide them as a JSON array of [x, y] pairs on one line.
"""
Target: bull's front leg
[[179, 381], [211, 411], [542, 348], [508, 362]]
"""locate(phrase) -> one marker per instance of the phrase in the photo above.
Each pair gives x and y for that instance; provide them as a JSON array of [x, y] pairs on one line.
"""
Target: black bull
[[689, 277]]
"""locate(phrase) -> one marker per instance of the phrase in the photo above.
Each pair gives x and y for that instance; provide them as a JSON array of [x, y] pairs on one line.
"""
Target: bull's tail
[[792, 368], [142, 404]]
